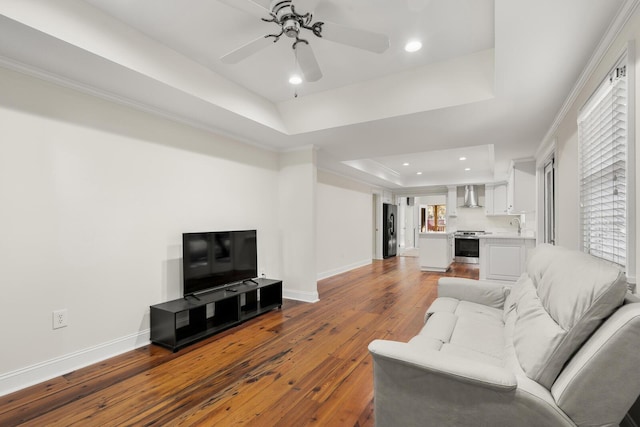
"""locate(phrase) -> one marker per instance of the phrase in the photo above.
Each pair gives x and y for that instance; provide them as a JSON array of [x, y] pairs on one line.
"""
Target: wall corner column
[[297, 223]]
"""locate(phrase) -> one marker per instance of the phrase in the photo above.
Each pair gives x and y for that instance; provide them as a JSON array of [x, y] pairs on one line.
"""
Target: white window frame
[[626, 60]]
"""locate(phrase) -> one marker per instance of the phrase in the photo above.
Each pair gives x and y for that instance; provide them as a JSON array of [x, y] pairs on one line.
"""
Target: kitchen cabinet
[[452, 200], [435, 251], [495, 199], [521, 187], [503, 256], [387, 197]]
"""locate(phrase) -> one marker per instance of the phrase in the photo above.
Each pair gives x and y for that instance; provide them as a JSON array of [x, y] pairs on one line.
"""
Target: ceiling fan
[[285, 14]]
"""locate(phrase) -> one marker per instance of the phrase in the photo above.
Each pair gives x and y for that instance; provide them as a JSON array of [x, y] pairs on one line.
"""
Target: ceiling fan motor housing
[[291, 22], [281, 9], [291, 27], [286, 17]]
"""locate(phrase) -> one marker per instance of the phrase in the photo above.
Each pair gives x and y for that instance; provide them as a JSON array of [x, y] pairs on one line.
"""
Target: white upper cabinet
[[521, 187], [387, 197], [495, 199], [452, 200]]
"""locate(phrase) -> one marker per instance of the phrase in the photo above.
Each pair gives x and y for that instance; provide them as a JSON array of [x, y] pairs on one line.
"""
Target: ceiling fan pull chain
[[283, 13]]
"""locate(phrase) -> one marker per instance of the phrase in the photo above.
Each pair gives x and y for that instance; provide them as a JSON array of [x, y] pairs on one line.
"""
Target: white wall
[[476, 219], [432, 199], [297, 221], [566, 136], [344, 224], [95, 197]]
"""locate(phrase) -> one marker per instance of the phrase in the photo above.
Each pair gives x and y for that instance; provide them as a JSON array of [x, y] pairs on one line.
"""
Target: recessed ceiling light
[[295, 79], [405, 164], [413, 46], [467, 169], [463, 158], [418, 173]]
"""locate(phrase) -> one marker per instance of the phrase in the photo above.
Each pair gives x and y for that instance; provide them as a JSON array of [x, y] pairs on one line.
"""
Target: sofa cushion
[[513, 297], [481, 334], [482, 312], [564, 299], [440, 326], [464, 327], [469, 353], [538, 260]]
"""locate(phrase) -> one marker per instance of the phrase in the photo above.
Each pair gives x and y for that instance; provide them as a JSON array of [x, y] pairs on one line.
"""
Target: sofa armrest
[[460, 370], [427, 388], [484, 292]]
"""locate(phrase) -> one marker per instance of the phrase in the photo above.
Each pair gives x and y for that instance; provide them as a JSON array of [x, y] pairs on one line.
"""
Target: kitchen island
[[503, 255], [435, 251]]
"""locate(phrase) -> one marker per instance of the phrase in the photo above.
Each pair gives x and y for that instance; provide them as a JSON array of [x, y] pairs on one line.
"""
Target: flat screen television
[[214, 259]]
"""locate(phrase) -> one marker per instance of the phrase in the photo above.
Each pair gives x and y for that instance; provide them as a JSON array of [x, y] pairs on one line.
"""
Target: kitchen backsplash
[[476, 219]]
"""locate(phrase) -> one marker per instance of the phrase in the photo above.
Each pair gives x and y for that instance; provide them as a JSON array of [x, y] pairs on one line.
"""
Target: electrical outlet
[[60, 319]]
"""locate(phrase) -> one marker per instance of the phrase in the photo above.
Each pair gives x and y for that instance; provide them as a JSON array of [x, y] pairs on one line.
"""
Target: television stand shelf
[[178, 323]]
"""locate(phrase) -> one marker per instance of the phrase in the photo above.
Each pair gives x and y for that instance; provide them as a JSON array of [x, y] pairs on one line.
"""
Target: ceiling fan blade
[[307, 62], [253, 7], [246, 50], [267, 3], [362, 39], [305, 6]]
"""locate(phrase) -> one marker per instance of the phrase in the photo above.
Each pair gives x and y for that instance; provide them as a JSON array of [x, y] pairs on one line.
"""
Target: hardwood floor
[[304, 364]]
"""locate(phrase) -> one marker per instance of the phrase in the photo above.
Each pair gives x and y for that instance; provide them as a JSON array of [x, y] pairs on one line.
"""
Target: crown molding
[[38, 73], [616, 26]]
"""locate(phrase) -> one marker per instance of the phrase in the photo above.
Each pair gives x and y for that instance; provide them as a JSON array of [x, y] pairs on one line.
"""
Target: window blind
[[602, 134]]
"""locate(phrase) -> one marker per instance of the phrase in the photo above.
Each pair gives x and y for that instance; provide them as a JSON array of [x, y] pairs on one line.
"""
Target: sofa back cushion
[[565, 297]]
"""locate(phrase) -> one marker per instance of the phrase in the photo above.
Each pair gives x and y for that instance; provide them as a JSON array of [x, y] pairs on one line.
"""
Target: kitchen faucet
[[519, 224]]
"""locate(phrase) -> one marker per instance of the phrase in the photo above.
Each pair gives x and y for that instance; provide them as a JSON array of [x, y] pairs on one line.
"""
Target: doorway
[[407, 216]]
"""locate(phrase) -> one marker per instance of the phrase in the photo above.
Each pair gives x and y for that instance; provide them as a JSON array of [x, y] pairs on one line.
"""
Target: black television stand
[[176, 324]]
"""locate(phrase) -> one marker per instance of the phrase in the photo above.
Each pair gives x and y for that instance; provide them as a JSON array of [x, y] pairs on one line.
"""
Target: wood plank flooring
[[301, 365]]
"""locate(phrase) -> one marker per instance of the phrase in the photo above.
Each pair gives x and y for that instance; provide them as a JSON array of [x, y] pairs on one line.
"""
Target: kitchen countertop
[[507, 235], [489, 235]]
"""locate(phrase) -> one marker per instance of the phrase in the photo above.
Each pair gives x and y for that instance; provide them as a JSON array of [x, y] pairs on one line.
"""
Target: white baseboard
[[436, 269], [300, 295], [40, 372], [343, 269]]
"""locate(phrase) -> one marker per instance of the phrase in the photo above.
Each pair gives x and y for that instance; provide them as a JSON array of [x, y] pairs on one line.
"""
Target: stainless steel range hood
[[470, 197]]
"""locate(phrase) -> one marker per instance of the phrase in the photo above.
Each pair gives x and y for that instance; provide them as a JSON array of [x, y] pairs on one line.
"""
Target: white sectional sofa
[[560, 347]]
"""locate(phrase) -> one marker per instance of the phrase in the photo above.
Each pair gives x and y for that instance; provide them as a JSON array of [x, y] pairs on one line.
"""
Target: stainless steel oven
[[467, 247]]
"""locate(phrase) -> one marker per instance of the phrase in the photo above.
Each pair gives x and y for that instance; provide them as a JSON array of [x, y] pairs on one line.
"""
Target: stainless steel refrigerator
[[389, 240]]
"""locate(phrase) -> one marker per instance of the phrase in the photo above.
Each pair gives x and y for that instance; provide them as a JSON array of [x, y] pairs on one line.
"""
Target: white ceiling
[[487, 84], [209, 29]]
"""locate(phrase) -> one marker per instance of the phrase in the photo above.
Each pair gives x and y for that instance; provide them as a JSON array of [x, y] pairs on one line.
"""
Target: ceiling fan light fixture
[[295, 79], [291, 28], [297, 24], [413, 46]]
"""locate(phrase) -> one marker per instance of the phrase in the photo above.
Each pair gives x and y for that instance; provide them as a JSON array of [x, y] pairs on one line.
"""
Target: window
[[604, 169], [549, 200]]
